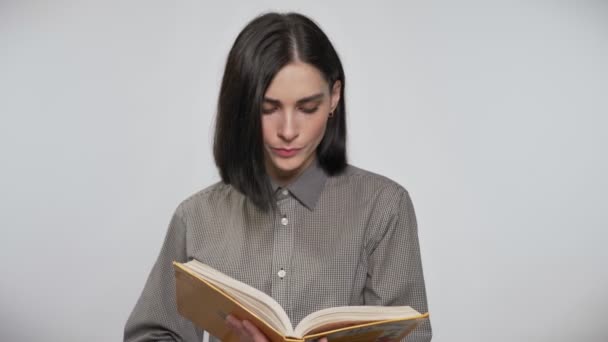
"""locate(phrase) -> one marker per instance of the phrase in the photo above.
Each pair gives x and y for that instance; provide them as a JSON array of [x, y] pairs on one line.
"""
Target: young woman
[[290, 217]]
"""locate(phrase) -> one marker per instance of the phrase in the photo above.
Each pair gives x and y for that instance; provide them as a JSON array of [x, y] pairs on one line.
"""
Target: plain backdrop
[[493, 114]]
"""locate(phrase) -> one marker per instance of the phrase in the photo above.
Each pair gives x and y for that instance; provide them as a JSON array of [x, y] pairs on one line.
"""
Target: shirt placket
[[282, 249]]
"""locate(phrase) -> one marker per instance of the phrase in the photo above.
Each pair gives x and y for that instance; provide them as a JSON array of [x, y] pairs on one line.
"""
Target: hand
[[248, 332]]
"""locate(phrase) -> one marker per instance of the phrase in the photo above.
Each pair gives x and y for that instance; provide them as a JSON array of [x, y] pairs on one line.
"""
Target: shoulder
[[208, 198], [356, 179], [368, 189], [384, 199]]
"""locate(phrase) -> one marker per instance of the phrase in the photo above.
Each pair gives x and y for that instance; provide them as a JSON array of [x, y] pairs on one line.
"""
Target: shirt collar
[[308, 186]]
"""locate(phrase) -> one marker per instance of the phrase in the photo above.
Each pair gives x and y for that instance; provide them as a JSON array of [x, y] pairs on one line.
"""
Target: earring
[[331, 114]]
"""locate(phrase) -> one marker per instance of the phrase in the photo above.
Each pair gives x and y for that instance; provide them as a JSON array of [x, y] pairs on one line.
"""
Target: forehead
[[295, 81]]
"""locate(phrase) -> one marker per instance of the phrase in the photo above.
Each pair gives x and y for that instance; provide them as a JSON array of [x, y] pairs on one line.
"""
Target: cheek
[[267, 129], [317, 129]]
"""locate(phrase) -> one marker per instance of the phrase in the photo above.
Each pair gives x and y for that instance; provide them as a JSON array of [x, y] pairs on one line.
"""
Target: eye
[[310, 110], [268, 110]]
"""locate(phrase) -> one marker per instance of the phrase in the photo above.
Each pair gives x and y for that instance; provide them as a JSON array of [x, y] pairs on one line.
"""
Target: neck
[[285, 178]]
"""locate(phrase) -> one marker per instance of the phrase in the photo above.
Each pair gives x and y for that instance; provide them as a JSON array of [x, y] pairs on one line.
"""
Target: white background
[[492, 114]]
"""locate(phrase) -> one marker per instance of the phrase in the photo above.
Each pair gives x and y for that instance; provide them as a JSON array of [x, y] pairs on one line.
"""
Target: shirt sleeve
[[394, 266], [155, 316]]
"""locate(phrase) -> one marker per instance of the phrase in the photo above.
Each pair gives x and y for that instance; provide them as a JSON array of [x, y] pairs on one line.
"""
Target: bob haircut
[[266, 44]]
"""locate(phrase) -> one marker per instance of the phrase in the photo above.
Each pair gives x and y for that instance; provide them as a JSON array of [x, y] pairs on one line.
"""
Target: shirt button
[[285, 192], [284, 221], [281, 273]]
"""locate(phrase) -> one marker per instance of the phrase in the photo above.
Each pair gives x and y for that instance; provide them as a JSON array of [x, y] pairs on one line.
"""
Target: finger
[[230, 319], [237, 326], [324, 339], [231, 322], [254, 332], [235, 322]]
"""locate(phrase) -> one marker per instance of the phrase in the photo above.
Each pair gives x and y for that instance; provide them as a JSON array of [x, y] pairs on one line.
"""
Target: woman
[[290, 216]]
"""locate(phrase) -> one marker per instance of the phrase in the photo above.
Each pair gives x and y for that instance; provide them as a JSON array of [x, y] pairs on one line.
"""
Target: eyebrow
[[300, 101]]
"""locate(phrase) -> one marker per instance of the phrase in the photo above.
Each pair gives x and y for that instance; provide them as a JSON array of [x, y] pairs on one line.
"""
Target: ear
[[335, 94]]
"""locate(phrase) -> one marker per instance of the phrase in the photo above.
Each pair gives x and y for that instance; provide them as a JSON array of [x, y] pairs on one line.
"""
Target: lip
[[286, 152]]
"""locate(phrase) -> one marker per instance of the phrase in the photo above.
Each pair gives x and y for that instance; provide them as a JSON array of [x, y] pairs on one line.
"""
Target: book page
[[255, 300], [352, 314], [389, 331]]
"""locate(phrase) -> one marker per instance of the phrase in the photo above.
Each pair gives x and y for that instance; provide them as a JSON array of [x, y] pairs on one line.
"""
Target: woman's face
[[294, 116]]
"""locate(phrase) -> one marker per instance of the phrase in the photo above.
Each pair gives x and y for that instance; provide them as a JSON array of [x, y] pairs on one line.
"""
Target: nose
[[288, 129]]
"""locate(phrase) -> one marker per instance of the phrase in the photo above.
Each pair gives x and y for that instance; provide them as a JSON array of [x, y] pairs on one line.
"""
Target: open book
[[206, 296]]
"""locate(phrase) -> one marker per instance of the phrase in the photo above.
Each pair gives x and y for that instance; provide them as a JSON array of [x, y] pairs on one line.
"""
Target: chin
[[287, 166]]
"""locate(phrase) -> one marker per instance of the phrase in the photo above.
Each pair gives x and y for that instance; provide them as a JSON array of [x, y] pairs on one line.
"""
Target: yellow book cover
[[206, 296]]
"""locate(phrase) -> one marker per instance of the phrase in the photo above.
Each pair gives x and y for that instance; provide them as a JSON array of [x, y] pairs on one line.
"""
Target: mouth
[[285, 152]]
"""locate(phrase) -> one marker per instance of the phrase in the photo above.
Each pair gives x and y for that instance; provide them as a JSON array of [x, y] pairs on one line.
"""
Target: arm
[[394, 266], [155, 316]]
